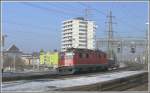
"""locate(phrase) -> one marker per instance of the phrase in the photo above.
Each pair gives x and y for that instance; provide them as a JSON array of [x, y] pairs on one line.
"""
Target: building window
[[81, 33], [67, 22], [82, 30], [82, 26], [82, 37], [70, 29], [82, 45], [82, 41], [82, 22], [66, 26]]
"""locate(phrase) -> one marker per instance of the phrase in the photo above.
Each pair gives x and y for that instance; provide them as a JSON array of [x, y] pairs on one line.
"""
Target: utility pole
[[148, 41], [2, 43], [87, 13], [148, 49], [14, 63], [1, 53], [110, 36], [33, 61], [121, 48]]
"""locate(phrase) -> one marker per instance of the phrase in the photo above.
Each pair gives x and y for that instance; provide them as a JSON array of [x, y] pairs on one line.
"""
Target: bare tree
[[19, 63], [9, 62]]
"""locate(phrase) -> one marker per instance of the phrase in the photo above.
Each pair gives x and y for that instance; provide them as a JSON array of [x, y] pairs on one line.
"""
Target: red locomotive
[[79, 60]]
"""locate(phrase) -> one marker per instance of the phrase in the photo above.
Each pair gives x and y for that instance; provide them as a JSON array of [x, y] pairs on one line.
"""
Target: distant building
[[42, 57], [35, 58], [12, 59], [31, 61], [78, 33], [49, 59], [13, 51], [27, 58]]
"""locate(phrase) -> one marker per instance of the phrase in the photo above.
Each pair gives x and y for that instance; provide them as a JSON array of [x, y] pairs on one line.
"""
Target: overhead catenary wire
[[122, 21], [28, 25], [59, 11], [72, 13], [133, 27], [62, 11], [118, 19], [31, 28], [43, 8]]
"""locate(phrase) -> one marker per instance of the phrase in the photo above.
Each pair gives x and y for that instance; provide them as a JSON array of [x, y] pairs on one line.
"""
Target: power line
[[72, 13], [27, 25], [30, 32], [120, 20], [93, 9], [49, 9]]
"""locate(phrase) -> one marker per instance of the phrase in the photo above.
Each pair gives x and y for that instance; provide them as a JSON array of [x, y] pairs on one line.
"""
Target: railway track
[[95, 73], [59, 76], [125, 83]]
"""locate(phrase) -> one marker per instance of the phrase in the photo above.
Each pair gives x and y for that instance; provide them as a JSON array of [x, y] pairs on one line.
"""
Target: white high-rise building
[[78, 33]]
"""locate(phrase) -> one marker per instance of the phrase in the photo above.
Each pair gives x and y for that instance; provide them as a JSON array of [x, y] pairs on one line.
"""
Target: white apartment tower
[[78, 33]]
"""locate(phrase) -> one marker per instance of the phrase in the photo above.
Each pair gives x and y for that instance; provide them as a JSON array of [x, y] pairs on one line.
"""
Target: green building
[[49, 59], [42, 57]]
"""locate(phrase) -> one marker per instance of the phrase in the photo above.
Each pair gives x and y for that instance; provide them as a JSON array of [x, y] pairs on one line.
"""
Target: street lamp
[[2, 42], [1, 50], [148, 42], [148, 48], [14, 62]]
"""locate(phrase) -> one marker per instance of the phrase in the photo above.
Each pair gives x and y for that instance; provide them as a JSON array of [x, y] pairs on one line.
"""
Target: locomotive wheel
[[98, 69]]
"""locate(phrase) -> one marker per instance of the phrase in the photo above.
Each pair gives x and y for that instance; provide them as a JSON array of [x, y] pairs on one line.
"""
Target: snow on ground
[[52, 84]]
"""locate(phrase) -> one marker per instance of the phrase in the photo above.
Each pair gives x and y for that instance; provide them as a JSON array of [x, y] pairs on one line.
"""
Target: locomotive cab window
[[69, 55]]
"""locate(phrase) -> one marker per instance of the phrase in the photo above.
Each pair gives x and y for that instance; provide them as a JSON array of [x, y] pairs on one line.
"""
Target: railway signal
[[119, 47], [133, 46], [132, 50]]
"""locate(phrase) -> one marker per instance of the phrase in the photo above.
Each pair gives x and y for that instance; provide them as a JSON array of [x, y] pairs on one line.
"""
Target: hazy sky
[[35, 25]]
